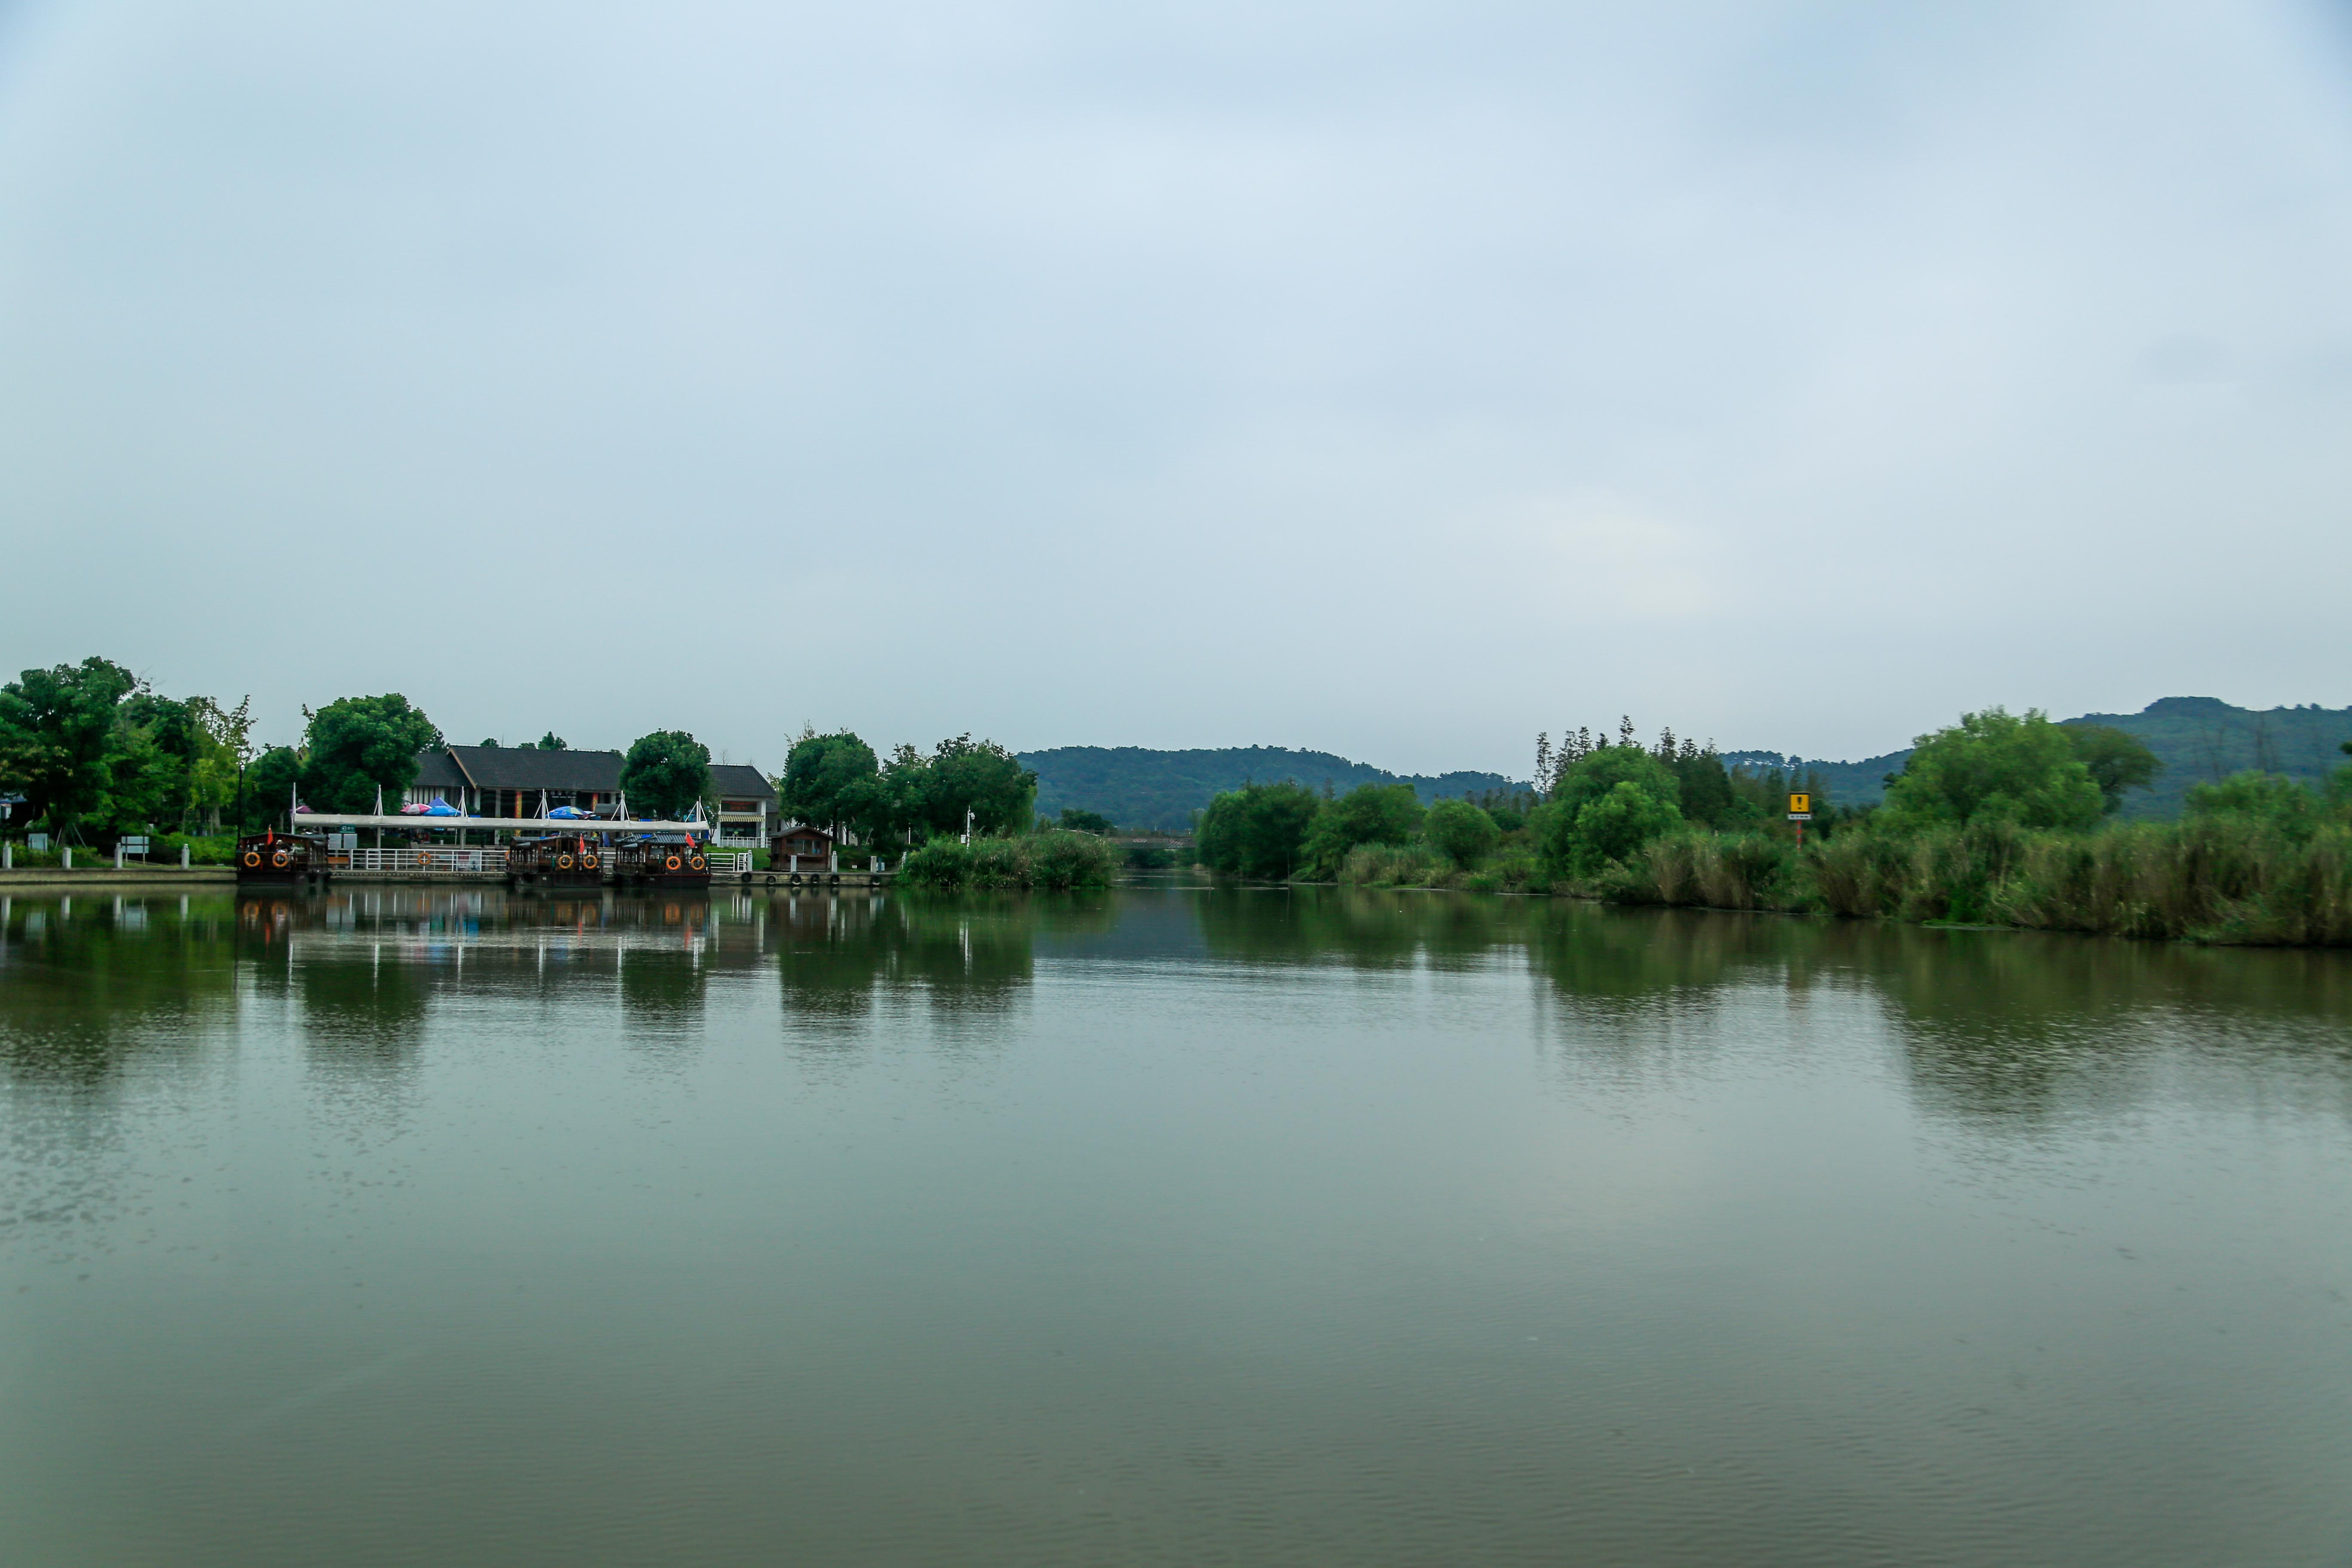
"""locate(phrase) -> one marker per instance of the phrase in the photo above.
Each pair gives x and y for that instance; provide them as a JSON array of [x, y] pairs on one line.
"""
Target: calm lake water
[[1168, 1226]]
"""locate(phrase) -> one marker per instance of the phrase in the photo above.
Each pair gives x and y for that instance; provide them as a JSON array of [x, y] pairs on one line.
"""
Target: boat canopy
[[503, 824]]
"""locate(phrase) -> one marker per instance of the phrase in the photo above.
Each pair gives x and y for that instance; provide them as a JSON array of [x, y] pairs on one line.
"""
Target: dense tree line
[[837, 782], [95, 752], [1598, 802], [1593, 803]]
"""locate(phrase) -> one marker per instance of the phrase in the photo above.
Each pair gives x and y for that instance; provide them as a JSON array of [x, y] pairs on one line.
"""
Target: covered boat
[[665, 860], [563, 861], [276, 856]]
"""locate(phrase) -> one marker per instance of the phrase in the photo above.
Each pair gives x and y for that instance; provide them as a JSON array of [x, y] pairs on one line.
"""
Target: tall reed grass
[[2210, 878], [1711, 871]]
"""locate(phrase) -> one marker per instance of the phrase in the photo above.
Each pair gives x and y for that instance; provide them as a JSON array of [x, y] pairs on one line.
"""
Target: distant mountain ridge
[[1138, 787], [2200, 739]]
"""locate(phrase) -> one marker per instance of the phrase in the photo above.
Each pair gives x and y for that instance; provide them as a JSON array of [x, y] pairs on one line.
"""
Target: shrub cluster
[[1051, 859]]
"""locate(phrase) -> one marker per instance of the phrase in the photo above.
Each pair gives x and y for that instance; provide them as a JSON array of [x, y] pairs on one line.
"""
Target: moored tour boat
[[560, 862], [274, 857], [662, 861]]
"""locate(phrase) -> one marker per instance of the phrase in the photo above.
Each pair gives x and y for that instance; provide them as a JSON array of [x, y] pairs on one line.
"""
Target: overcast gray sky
[[1397, 379]]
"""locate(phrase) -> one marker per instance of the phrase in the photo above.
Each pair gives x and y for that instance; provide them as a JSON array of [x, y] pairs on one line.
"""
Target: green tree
[[551, 741], [830, 779], [60, 736], [1460, 832], [1369, 813], [1077, 820], [1995, 766], [1569, 840], [269, 787], [1603, 768], [1703, 788], [146, 784], [147, 765], [357, 745], [898, 806], [221, 747], [2117, 761], [1613, 825], [979, 776], [1508, 809], [1257, 830], [665, 773], [177, 761]]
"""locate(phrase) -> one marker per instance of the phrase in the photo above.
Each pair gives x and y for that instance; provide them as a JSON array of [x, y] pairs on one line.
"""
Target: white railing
[[442, 859], [724, 863]]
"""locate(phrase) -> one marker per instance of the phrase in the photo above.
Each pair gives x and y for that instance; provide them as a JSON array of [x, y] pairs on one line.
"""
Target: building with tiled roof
[[523, 781]]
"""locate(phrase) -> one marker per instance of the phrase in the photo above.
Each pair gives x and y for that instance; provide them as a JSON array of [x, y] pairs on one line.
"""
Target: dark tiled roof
[[739, 781], [527, 767], [435, 771]]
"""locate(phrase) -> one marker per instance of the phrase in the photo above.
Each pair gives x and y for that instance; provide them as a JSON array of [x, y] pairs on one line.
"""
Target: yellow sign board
[[1800, 802]]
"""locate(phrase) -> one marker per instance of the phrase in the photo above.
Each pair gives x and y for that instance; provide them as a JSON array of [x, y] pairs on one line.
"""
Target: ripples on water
[[1170, 1227]]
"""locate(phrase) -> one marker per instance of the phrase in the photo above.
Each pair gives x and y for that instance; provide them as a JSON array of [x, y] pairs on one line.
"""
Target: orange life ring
[[671, 862], [698, 862], [563, 862], [279, 858], [253, 857], [588, 862]]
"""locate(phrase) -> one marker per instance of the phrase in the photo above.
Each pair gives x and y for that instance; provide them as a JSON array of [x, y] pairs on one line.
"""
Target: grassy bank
[[2212, 879], [2204, 880], [1051, 859]]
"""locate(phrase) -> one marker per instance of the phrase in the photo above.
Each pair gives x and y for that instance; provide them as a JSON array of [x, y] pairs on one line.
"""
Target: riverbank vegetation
[[1049, 859], [2001, 819]]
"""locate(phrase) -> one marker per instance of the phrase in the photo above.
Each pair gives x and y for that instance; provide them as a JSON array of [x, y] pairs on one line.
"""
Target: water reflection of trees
[[2002, 1024], [1582, 949], [1363, 928], [90, 981], [1990, 1024], [828, 959], [663, 990], [2011, 1024], [968, 957], [1645, 955]]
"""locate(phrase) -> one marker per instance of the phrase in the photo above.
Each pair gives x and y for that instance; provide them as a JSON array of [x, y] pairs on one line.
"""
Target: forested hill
[[1845, 783], [2198, 739], [1140, 788]]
